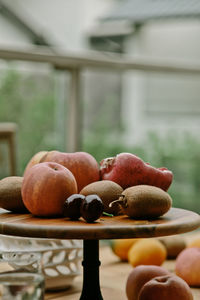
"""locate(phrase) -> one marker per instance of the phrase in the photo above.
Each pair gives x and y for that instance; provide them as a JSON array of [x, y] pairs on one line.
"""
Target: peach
[[83, 165], [45, 188], [187, 266], [139, 276], [164, 288], [35, 159]]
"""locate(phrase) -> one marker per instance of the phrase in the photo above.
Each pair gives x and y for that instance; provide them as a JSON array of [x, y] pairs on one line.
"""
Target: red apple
[[165, 288], [35, 159], [83, 166], [187, 266], [139, 276], [128, 170], [45, 188]]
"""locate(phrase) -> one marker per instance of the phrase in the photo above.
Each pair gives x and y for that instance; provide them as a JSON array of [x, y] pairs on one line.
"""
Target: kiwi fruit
[[108, 191], [173, 244], [10, 194], [144, 201]]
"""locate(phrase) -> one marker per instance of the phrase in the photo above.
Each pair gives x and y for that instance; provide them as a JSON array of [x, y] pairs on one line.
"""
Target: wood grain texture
[[176, 221]]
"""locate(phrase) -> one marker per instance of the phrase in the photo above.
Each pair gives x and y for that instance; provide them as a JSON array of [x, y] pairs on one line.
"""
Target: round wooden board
[[176, 221]]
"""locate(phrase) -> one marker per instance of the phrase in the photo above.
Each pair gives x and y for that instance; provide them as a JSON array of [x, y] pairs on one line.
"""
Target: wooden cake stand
[[176, 221]]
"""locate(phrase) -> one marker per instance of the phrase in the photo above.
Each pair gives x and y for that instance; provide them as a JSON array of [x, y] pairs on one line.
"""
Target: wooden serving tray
[[175, 221]]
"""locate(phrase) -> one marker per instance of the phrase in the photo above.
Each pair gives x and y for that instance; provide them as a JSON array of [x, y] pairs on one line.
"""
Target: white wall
[[10, 35], [145, 98], [163, 102], [65, 22]]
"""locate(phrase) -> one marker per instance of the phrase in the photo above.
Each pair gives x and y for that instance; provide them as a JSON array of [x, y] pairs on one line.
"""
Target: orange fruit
[[120, 247], [147, 252], [194, 243]]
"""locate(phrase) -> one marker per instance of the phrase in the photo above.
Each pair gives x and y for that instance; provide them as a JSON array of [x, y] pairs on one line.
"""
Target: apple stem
[[118, 201]]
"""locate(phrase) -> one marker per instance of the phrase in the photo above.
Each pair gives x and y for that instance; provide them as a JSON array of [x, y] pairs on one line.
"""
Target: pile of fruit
[[75, 185], [148, 251], [156, 283], [148, 280], [147, 255]]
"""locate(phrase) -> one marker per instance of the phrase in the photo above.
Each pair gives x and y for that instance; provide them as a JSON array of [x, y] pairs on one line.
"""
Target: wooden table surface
[[113, 276], [175, 221], [113, 273]]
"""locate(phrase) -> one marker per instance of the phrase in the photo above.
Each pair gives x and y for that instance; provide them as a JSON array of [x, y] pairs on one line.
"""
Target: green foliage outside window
[[30, 102]]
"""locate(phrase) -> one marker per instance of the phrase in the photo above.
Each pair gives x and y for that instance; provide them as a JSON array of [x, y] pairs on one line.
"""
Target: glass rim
[[21, 274]]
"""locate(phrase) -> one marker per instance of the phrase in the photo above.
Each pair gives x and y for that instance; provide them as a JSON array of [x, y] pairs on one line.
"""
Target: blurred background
[[148, 105]]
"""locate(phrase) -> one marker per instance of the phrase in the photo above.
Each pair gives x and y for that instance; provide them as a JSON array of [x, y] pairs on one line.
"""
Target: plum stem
[[107, 214]]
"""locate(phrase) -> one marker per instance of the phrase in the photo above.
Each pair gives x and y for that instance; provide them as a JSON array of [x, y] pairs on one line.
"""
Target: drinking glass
[[21, 276]]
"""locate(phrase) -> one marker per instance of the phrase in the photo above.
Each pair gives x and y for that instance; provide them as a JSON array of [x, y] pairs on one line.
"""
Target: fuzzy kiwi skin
[[173, 244], [10, 194], [108, 191], [145, 201]]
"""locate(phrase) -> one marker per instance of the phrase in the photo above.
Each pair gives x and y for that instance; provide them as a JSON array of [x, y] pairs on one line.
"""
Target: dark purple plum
[[72, 205], [91, 208]]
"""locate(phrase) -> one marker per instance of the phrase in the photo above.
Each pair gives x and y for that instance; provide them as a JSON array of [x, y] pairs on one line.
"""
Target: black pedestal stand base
[[91, 286]]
